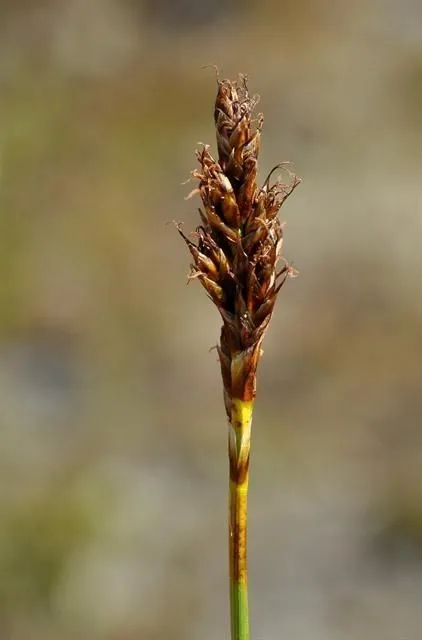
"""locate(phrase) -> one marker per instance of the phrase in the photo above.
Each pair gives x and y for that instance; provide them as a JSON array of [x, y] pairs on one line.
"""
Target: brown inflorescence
[[236, 249]]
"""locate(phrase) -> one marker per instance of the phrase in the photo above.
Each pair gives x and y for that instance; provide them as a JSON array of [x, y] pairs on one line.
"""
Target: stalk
[[239, 447], [236, 251]]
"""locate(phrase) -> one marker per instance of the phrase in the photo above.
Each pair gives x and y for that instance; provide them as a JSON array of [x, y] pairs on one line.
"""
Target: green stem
[[239, 445], [239, 613]]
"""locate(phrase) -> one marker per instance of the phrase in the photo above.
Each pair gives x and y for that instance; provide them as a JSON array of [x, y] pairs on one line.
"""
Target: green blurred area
[[113, 437]]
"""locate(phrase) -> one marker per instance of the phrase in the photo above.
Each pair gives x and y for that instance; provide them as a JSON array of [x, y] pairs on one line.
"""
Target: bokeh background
[[113, 466]]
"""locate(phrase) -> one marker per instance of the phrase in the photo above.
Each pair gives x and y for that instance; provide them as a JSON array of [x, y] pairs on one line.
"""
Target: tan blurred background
[[112, 428]]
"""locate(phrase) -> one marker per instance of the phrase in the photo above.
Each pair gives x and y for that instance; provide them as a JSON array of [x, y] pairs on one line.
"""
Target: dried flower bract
[[236, 249]]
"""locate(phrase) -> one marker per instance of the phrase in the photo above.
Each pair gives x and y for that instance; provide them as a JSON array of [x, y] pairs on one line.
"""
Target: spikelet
[[237, 247]]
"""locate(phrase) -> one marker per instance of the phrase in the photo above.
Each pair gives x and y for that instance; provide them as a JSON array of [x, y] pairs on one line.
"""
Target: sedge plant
[[236, 253]]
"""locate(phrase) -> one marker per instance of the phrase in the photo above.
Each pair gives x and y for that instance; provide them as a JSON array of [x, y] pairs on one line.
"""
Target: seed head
[[236, 249]]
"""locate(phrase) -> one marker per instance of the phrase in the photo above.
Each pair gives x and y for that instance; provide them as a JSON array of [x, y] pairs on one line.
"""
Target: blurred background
[[113, 466]]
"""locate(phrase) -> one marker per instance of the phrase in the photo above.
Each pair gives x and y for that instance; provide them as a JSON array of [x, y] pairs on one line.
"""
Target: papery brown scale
[[217, 224], [224, 151], [246, 335], [265, 267], [203, 241], [228, 318], [253, 146], [203, 262], [206, 265], [261, 329], [223, 122], [217, 254], [208, 245], [212, 195], [238, 162], [230, 211], [252, 288], [243, 373], [240, 262], [254, 237], [240, 304], [226, 97], [213, 289], [240, 135], [246, 194], [249, 241], [264, 310], [222, 104], [233, 168], [263, 290], [224, 158], [224, 125], [228, 203], [230, 342]]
